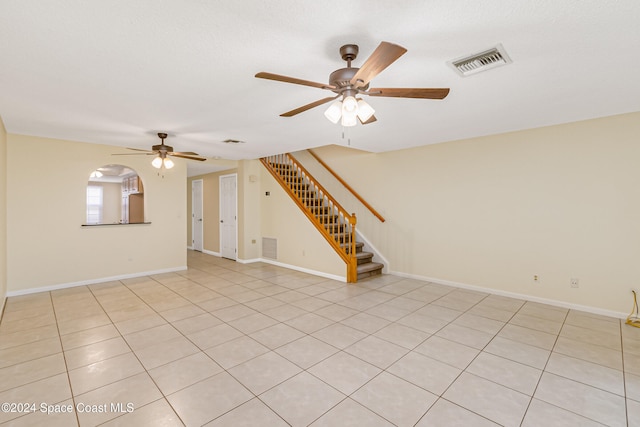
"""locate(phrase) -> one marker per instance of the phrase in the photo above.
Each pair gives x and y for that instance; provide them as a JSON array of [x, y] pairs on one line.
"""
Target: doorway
[[228, 216], [196, 215]]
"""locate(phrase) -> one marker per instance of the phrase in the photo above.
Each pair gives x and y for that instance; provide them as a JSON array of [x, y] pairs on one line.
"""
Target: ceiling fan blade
[[425, 93], [370, 120], [183, 156], [384, 55], [285, 79], [137, 149], [147, 153], [186, 153], [308, 106]]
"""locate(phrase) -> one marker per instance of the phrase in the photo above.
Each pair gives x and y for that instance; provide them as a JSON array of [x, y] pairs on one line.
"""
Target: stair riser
[[340, 238], [335, 228], [359, 247], [320, 210], [368, 274], [365, 260]]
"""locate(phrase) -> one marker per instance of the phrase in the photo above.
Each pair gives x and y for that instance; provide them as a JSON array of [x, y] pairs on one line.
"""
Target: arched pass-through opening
[[115, 195]]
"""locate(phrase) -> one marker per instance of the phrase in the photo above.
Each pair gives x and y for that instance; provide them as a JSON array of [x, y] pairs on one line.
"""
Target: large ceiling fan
[[163, 153], [348, 83]]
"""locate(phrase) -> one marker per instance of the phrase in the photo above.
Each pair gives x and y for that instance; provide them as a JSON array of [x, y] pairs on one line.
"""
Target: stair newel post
[[352, 273]]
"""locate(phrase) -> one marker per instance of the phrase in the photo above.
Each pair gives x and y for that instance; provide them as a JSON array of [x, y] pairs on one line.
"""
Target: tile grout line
[[544, 368], [64, 356]]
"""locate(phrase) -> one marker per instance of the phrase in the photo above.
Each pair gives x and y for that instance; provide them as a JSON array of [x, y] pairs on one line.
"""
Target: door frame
[[193, 215], [235, 176]]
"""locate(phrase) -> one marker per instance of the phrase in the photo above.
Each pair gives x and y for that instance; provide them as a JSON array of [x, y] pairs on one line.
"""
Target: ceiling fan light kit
[[159, 162], [350, 82], [163, 153]]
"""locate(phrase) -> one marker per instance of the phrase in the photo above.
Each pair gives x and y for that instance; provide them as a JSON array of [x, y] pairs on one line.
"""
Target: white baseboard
[[294, 267], [289, 266], [249, 261], [92, 281], [204, 251], [563, 304]]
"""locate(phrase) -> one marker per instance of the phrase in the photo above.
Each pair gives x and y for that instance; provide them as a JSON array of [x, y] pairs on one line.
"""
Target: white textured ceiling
[[118, 71]]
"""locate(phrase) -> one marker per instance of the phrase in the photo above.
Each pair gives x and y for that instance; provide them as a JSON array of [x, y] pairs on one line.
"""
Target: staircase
[[334, 223]]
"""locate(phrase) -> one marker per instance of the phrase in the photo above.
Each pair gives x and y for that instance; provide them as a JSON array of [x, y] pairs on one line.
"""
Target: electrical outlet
[[536, 278], [575, 283]]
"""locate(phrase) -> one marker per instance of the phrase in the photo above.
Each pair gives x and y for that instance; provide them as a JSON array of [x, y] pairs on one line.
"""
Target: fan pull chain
[[346, 131]]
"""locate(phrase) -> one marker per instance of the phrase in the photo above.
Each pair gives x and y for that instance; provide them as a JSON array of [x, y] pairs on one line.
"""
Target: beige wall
[[249, 210], [559, 202], [46, 200], [299, 243], [210, 210], [3, 215]]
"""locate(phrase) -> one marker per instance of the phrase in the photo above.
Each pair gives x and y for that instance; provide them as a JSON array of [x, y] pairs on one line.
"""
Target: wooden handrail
[[348, 187], [299, 183]]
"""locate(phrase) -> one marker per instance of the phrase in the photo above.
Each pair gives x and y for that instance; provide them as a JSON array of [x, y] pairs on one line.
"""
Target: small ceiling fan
[[162, 151], [348, 83]]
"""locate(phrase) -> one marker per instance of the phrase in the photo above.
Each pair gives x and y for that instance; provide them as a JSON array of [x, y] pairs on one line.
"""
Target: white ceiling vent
[[482, 61]]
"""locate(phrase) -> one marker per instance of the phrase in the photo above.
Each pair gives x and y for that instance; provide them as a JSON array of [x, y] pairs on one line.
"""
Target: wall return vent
[[482, 61], [269, 248]]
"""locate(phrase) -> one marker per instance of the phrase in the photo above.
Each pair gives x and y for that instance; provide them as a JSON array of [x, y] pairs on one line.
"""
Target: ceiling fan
[[348, 83], [163, 152]]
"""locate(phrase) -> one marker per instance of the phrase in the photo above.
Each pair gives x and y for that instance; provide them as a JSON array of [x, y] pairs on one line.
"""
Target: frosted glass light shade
[[334, 112], [168, 163], [349, 105], [157, 162], [365, 111], [349, 118]]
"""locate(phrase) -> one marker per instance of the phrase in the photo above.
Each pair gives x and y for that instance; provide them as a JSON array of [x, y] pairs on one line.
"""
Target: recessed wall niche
[[115, 195]]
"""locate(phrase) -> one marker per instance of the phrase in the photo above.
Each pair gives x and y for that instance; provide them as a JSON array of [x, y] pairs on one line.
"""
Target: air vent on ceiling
[[483, 61]]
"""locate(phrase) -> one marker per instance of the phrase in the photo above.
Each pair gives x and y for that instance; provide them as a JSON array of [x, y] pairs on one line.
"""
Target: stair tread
[[364, 254], [370, 266]]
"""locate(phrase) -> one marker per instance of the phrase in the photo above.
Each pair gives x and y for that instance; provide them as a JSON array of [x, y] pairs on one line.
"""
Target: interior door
[[196, 215], [228, 216]]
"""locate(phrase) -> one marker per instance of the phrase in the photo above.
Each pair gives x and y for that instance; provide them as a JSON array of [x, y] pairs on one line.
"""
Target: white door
[[196, 215], [228, 216]]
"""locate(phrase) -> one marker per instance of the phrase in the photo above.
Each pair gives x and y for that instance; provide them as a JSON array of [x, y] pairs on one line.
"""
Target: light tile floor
[[226, 344]]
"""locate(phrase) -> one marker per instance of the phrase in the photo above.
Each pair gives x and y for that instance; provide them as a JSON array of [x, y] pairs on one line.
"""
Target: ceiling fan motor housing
[[341, 79], [162, 147]]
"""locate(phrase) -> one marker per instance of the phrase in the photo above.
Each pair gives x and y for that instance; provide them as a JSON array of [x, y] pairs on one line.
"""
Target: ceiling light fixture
[[162, 160], [95, 174], [349, 110]]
